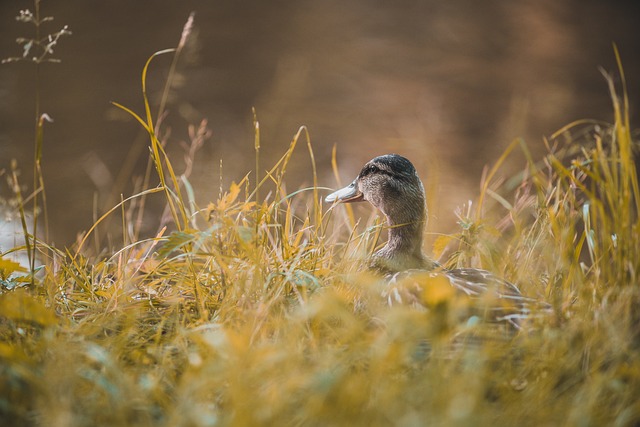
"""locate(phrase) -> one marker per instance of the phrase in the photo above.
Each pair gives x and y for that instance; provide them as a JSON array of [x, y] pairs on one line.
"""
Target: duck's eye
[[370, 169]]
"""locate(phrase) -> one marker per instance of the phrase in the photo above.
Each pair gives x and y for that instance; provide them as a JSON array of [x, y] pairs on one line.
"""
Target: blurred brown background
[[449, 84]]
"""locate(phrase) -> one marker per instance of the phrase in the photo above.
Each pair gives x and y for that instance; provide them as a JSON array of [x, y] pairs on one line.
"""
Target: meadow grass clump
[[258, 310]]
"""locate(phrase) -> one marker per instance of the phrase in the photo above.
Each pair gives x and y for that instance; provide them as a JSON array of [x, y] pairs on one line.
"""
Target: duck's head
[[391, 184]]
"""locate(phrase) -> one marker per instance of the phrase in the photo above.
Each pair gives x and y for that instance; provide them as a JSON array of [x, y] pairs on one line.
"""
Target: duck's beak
[[348, 194]]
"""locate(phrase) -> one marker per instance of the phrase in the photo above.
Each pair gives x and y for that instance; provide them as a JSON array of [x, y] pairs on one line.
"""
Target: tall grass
[[256, 310], [37, 49]]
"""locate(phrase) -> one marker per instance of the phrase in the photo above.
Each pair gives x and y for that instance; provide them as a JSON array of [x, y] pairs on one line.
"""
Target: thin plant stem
[[37, 151]]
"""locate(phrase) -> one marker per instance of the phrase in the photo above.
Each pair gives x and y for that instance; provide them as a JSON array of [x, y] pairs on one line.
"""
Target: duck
[[391, 184]]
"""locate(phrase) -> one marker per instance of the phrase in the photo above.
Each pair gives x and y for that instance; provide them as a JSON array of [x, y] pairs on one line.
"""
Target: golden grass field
[[257, 309]]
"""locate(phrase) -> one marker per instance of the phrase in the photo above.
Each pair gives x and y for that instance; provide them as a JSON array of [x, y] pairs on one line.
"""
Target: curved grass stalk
[[109, 212], [159, 155]]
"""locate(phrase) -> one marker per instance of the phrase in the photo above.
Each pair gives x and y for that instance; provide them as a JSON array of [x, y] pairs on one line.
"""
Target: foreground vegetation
[[258, 310]]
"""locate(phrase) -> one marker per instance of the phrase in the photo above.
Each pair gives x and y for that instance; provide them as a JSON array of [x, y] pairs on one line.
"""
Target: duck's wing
[[475, 282], [489, 296], [503, 299]]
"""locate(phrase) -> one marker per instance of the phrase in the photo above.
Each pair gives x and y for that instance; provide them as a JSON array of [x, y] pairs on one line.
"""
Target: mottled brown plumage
[[391, 184]]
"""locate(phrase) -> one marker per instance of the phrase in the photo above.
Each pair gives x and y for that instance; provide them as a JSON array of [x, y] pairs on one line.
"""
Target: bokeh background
[[449, 84]]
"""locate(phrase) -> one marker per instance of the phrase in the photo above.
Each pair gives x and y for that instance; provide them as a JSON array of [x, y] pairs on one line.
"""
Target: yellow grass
[[258, 311]]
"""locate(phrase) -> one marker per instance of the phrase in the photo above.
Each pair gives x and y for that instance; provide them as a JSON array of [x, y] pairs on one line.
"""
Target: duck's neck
[[405, 237], [403, 250]]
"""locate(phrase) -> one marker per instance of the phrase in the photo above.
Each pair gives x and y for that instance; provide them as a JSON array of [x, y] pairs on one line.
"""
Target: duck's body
[[391, 184]]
